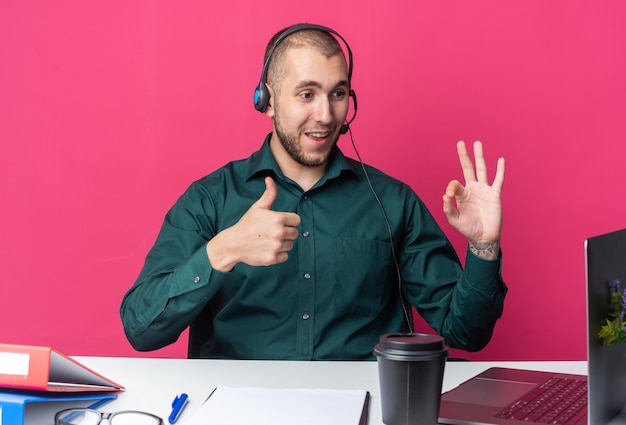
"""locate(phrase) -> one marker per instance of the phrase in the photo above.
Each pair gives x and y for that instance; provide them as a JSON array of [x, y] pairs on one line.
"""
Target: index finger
[[481, 165], [291, 219]]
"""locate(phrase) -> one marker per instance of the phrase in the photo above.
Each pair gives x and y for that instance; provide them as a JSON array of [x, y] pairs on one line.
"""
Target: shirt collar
[[262, 162]]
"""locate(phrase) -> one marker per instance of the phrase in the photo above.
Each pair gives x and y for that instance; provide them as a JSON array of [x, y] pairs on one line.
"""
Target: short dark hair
[[320, 40]]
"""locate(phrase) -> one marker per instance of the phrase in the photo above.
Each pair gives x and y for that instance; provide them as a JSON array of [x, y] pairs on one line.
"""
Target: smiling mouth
[[318, 135]]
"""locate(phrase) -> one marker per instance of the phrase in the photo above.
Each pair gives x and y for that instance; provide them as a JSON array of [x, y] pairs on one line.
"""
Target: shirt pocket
[[361, 273]]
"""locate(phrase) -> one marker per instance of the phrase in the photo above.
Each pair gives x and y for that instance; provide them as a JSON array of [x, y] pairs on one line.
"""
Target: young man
[[302, 253]]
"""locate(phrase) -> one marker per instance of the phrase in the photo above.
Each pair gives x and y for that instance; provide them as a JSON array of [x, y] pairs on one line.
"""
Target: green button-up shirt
[[339, 289]]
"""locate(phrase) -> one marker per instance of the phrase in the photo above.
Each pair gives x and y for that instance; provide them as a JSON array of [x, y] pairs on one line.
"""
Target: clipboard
[[285, 406]]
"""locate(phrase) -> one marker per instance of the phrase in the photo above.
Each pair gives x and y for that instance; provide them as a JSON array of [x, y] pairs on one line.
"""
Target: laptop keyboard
[[556, 401]]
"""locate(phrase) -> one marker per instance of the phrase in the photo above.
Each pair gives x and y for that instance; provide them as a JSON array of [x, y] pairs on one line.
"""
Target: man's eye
[[306, 95], [339, 94]]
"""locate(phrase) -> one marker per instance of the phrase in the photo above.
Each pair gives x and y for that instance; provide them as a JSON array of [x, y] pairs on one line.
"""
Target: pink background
[[108, 110]]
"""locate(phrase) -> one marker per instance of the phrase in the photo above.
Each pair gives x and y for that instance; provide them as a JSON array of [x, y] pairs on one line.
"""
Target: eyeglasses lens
[[91, 417], [78, 417], [134, 418]]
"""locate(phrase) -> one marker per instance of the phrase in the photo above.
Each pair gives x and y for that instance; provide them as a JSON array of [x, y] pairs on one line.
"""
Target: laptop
[[490, 398]]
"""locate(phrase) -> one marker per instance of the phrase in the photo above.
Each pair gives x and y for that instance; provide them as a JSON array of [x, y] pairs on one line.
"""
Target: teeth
[[319, 134]]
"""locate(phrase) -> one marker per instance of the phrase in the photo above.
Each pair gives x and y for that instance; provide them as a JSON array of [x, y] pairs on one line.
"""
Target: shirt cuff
[[194, 273], [484, 275]]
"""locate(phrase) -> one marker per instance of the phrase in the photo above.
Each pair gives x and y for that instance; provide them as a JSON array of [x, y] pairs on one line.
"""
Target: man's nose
[[323, 111]]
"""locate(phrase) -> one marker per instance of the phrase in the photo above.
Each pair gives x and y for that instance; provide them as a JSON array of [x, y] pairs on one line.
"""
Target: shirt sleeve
[[476, 303], [176, 281], [462, 305]]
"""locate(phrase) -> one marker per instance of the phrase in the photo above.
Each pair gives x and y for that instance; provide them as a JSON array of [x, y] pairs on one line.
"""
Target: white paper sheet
[[267, 406]]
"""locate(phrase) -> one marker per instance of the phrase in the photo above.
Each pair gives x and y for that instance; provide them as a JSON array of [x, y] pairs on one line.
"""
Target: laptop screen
[[605, 257]]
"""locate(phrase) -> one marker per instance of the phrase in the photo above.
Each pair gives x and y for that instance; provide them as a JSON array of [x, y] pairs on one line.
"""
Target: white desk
[[152, 384]]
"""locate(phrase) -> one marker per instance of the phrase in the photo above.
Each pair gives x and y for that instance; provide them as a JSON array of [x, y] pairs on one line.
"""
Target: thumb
[[267, 199], [452, 190]]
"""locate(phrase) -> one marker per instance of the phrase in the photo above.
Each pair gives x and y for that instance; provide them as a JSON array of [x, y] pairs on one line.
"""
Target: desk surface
[[152, 384]]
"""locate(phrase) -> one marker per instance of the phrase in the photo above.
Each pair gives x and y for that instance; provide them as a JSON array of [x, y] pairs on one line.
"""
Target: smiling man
[[309, 107], [302, 253]]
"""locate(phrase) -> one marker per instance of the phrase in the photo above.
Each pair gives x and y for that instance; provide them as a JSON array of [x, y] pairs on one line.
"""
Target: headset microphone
[[345, 127]]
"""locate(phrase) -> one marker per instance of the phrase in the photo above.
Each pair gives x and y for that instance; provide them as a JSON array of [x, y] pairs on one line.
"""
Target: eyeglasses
[[93, 417]]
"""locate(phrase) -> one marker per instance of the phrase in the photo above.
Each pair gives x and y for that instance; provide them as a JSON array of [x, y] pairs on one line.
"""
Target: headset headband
[[261, 93]]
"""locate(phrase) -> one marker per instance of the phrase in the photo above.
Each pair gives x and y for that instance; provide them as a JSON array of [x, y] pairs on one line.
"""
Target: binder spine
[[11, 413]]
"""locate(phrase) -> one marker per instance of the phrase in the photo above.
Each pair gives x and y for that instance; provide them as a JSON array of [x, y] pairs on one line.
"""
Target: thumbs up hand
[[269, 196], [261, 237]]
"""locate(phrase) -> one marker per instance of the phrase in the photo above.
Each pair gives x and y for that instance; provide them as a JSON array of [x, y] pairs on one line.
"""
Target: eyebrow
[[311, 83]]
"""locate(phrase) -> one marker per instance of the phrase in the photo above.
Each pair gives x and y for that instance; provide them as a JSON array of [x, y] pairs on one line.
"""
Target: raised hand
[[478, 210], [261, 237]]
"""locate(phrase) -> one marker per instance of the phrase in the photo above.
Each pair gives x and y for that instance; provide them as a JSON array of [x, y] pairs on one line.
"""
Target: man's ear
[[270, 103]]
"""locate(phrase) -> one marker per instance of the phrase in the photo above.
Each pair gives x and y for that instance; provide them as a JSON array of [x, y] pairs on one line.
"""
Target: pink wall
[[108, 110]]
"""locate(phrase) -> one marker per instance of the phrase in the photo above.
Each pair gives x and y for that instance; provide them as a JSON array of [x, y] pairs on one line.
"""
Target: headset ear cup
[[261, 97], [345, 127], [353, 96]]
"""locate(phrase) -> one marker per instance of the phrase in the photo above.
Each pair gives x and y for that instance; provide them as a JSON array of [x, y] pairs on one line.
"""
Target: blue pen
[[177, 407]]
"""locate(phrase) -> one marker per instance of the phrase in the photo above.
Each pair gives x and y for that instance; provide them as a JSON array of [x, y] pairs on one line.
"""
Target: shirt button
[[307, 276], [305, 234], [196, 279], [305, 316]]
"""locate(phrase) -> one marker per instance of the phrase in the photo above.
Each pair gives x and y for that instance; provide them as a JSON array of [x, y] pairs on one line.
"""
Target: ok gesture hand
[[477, 214]]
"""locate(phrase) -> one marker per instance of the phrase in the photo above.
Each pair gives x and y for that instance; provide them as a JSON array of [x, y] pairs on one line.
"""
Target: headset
[[261, 92]]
